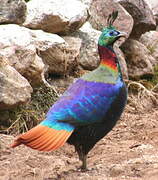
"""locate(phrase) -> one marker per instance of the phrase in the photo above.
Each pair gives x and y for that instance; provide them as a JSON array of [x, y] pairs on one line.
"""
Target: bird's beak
[[122, 34]]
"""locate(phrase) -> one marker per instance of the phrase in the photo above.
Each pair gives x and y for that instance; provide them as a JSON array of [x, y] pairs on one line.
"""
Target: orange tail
[[43, 138]]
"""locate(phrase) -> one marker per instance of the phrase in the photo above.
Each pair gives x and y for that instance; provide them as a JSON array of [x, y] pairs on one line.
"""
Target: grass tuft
[[24, 117]]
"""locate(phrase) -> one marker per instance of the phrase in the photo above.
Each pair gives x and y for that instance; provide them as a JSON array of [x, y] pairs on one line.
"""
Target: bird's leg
[[84, 162], [82, 156]]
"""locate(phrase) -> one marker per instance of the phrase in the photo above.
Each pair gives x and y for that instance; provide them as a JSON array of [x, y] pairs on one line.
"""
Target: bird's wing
[[83, 103]]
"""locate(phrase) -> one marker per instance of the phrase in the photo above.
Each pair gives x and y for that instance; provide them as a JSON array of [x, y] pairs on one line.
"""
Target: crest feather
[[111, 18]]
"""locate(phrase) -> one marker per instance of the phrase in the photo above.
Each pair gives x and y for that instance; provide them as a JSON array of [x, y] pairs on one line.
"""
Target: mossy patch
[[155, 76], [24, 117]]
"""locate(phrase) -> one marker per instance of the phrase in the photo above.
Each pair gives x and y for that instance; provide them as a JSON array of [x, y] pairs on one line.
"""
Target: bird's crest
[[111, 18]]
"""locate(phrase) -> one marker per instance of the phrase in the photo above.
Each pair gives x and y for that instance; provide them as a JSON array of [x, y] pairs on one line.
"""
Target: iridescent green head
[[110, 34]]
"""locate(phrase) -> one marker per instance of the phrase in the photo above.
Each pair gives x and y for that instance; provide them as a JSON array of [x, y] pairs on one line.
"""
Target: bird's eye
[[113, 33]]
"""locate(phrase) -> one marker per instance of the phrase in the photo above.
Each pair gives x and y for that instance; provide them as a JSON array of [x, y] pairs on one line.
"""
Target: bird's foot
[[84, 169], [80, 169]]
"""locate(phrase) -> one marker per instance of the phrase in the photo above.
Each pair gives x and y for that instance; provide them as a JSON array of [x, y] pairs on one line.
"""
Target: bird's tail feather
[[43, 138]]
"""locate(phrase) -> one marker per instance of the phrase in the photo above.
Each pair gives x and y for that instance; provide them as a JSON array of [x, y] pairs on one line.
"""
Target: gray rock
[[56, 16], [89, 58], [59, 55], [13, 11], [123, 64], [155, 12], [14, 89], [150, 40], [73, 53], [17, 45], [152, 3], [142, 14], [138, 58], [99, 11], [87, 2], [62, 58]]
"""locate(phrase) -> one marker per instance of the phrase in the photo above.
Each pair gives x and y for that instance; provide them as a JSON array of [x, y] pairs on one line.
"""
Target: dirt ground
[[128, 152]]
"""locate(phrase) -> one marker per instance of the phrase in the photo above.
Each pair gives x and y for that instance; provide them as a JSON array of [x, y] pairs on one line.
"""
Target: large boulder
[[60, 55], [99, 11], [152, 3], [150, 40], [14, 88], [73, 53], [138, 58], [17, 46], [62, 59], [122, 62], [56, 16], [155, 11], [28, 50], [87, 2], [142, 14], [89, 58], [13, 11]]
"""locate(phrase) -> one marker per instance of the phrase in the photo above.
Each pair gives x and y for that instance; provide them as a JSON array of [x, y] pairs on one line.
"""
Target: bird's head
[[110, 34]]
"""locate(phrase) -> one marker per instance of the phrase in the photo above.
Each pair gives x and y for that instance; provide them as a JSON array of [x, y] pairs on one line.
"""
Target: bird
[[90, 107]]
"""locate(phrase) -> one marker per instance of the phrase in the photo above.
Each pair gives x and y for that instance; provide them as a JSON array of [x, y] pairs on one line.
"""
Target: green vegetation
[[155, 76], [24, 117]]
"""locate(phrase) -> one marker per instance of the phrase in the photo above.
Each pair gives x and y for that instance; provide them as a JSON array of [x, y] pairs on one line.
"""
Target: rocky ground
[[129, 152]]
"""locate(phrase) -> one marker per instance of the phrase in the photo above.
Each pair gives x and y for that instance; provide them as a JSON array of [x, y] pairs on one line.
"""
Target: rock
[[16, 44], [54, 16], [24, 49], [48, 48], [35, 71], [138, 58], [13, 11], [151, 174], [14, 88], [155, 12], [61, 56], [152, 3], [142, 14], [100, 10], [43, 40], [89, 58], [150, 40], [73, 53], [122, 62], [87, 2]]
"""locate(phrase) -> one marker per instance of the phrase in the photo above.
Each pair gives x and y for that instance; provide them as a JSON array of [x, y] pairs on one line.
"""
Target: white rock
[[89, 58], [43, 40], [59, 54], [13, 11], [14, 88], [138, 58], [152, 3], [150, 40], [17, 45], [56, 16]]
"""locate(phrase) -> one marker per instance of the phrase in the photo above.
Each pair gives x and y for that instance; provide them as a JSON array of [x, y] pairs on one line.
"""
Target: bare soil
[[128, 152]]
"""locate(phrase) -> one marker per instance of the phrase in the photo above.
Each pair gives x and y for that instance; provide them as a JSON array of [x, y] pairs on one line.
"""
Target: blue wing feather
[[84, 102]]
